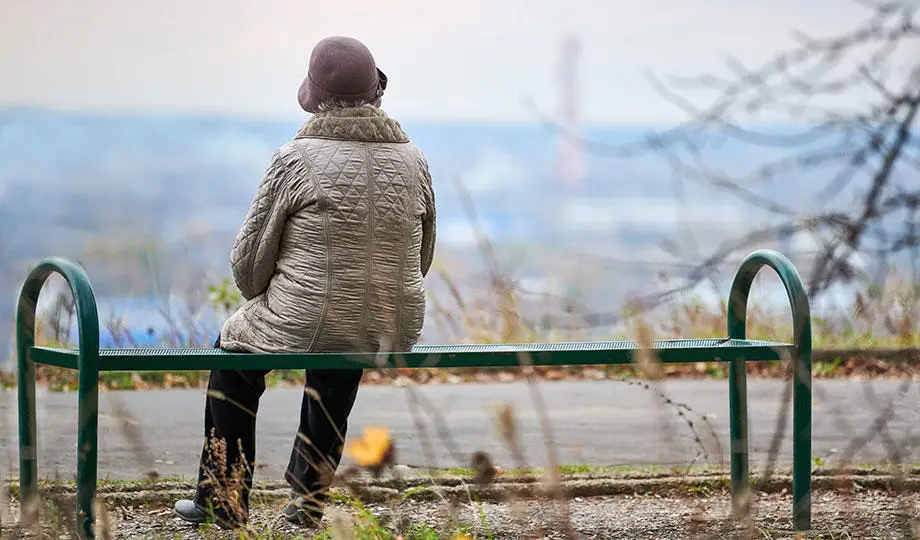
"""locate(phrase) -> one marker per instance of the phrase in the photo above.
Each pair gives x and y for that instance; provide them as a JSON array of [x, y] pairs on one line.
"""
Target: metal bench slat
[[55, 357], [489, 355]]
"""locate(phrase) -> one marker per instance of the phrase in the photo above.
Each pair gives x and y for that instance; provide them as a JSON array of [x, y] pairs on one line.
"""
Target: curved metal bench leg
[[801, 373], [28, 450], [87, 442], [88, 393], [738, 433], [801, 432]]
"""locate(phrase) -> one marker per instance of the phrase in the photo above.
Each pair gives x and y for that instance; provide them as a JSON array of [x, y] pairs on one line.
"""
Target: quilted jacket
[[333, 251]]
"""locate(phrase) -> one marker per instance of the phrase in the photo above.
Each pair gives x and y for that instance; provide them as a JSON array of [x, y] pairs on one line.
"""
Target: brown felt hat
[[341, 68]]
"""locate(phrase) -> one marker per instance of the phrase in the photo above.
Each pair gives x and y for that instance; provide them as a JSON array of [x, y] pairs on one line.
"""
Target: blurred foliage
[[225, 296], [882, 316]]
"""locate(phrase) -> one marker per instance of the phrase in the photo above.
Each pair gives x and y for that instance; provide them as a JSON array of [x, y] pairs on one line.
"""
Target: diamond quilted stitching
[[347, 187], [341, 171], [393, 188]]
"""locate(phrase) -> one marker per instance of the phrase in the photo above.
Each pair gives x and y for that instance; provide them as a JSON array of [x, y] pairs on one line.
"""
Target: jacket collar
[[363, 124]]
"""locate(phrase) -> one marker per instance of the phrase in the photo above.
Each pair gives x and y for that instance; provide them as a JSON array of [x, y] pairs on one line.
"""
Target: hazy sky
[[470, 60]]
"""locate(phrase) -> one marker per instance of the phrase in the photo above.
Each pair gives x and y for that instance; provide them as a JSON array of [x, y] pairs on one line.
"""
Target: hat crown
[[343, 67]]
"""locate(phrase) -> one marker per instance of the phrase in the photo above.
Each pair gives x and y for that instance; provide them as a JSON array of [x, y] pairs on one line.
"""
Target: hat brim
[[309, 95]]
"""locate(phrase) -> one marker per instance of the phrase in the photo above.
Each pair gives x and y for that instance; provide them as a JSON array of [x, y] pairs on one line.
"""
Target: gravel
[[866, 514]]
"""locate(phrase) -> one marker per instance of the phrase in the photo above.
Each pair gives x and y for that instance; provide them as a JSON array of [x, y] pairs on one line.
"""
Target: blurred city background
[[568, 140]]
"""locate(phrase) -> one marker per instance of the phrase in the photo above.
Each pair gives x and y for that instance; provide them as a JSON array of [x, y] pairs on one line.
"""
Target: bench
[[89, 360]]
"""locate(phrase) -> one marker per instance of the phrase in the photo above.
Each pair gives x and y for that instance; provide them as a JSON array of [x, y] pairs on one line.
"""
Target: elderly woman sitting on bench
[[330, 258]]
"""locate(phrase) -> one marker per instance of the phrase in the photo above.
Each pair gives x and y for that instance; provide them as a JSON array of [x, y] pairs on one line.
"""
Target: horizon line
[[300, 117]]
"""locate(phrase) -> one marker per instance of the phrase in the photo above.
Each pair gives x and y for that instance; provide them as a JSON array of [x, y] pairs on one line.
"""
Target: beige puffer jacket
[[332, 255]]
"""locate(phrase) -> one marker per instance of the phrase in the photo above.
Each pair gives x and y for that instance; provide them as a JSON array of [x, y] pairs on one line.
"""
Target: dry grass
[[875, 336], [500, 313], [877, 318], [538, 505]]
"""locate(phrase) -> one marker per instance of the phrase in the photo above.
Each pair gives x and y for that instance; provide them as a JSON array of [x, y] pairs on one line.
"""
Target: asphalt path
[[591, 422]]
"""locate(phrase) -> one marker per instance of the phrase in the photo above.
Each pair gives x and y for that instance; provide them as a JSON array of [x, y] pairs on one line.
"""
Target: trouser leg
[[228, 456], [318, 445]]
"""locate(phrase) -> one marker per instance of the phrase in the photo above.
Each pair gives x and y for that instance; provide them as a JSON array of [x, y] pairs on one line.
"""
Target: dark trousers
[[228, 457]]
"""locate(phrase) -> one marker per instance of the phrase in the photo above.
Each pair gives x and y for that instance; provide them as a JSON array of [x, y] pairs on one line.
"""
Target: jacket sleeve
[[429, 228], [255, 250]]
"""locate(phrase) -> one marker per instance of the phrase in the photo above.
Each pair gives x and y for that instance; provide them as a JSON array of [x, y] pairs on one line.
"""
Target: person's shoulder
[[288, 150], [289, 155], [413, 150], [420, 155], [292, 167]]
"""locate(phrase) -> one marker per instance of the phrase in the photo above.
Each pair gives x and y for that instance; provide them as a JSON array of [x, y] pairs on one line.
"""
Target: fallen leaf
[[372, 448]]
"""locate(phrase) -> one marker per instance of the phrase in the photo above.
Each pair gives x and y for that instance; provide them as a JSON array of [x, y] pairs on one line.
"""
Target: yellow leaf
[[371, 449], [461, 536]]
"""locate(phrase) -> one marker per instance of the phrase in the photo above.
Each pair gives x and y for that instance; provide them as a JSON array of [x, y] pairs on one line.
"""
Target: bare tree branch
[[847, 105]]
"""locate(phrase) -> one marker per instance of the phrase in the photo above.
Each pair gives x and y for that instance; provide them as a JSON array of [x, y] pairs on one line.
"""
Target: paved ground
[[600, 423]]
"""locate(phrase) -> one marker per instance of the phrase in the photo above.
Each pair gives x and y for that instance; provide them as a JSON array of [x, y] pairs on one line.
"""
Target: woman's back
[[352, 205]]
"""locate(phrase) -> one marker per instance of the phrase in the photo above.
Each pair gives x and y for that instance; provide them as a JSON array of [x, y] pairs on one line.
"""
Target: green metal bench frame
[[89, 359]]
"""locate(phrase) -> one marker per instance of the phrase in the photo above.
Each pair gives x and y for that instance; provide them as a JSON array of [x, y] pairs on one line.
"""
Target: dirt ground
[[867, 514]]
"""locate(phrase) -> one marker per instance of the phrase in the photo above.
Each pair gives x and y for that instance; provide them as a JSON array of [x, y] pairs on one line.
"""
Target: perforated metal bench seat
[[445, 356]]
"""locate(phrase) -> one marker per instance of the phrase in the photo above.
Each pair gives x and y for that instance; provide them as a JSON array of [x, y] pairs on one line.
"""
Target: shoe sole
[[304, 520], [197, 521], [204, 521]]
